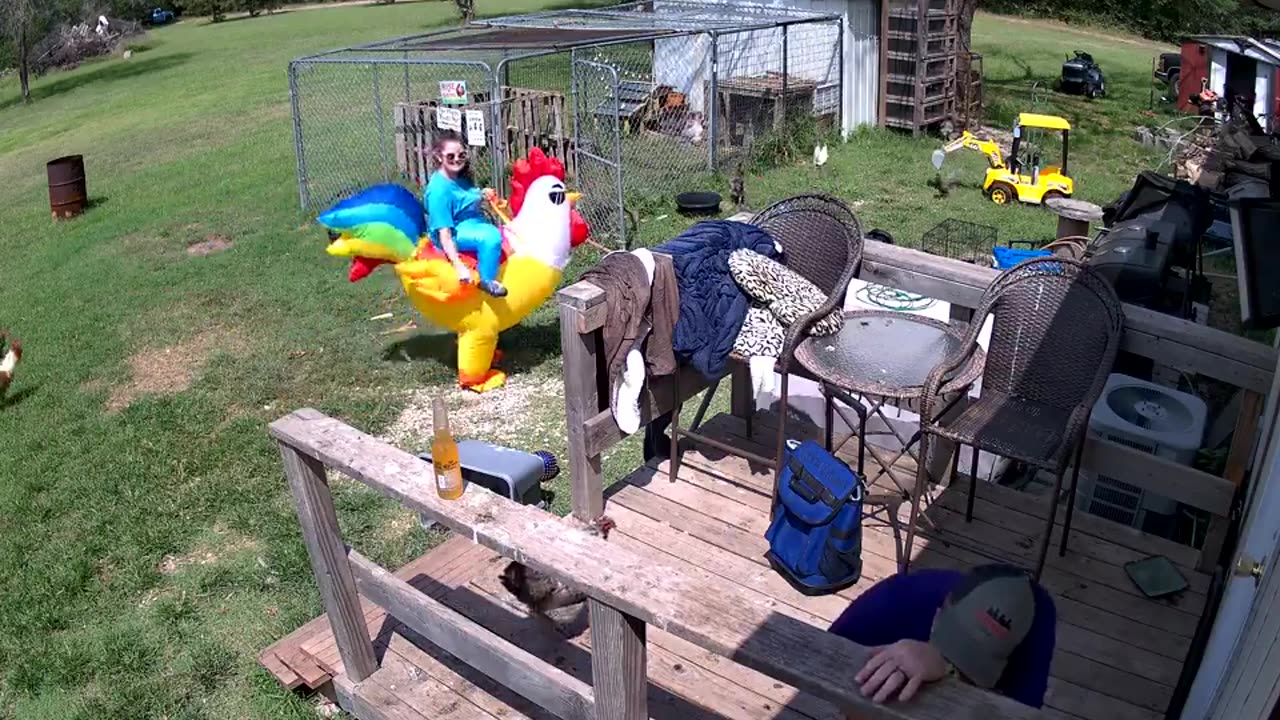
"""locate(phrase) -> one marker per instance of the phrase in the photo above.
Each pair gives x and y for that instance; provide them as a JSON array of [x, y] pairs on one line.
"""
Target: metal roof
[[1266, 51], [664, 16], [514, 38]]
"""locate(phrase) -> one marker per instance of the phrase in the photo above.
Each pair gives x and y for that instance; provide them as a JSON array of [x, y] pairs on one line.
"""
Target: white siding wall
[[813, 53], [1218, 71], [1262, 92]]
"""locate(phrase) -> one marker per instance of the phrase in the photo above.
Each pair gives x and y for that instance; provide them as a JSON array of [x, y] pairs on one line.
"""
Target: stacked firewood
[[1226, 155]]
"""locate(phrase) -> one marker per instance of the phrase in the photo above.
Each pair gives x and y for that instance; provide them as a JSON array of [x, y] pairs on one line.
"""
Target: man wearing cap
[[992, 627]]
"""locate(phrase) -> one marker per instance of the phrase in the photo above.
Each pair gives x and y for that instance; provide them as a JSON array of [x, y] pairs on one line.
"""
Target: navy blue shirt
[[902, 607]]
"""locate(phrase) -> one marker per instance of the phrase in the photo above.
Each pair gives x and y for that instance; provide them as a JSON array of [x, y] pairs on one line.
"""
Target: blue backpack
[[815, 538]]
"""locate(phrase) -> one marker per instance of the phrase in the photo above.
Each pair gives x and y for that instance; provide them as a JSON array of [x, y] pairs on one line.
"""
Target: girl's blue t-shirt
[[449, 202]]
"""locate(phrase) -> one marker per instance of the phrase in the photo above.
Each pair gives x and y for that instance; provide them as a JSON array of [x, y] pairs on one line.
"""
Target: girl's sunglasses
[[455, 157]]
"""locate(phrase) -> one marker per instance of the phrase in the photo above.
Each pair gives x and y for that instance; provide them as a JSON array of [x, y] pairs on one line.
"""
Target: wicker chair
[[1054, 338], [821, 240]]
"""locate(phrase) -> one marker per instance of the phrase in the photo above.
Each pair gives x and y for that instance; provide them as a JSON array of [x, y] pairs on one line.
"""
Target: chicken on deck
[[541, 593]]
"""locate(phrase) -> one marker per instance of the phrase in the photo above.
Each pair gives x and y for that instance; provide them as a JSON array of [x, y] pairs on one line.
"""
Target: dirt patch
[[147, 248], [223, 543], [1001, 136], [210, 245], [170, 370], [525, 412]]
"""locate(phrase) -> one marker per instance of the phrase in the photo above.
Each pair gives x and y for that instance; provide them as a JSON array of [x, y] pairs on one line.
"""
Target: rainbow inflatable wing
[[385, 224], [381, 224]]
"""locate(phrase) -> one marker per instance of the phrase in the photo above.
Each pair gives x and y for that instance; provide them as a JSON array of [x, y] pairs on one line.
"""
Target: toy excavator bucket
[[939, 156]]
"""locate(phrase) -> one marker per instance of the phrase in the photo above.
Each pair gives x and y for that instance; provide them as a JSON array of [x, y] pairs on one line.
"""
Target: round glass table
[[883, 355]]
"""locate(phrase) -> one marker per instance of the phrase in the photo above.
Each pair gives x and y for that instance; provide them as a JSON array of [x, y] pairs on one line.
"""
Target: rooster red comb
[[525, 171]]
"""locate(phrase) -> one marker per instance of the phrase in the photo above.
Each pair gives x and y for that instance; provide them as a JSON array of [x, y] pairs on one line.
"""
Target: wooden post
[[320, 532], [922, 64], [618, 667], [882, 101], [581, 398], [1236, 471]]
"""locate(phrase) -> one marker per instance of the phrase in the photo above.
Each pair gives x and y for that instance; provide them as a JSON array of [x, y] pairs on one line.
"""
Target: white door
[[1239, 677]]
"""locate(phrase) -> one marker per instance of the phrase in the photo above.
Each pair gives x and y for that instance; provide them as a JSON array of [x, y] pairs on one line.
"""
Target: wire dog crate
[[640, 101], [960, 240]]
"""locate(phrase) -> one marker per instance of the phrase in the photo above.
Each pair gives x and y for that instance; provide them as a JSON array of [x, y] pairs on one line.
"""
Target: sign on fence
[[453, 92], [449, 119], [475, 127]]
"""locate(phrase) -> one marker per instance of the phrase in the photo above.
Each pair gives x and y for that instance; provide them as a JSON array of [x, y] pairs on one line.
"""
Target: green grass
[[147, 554]]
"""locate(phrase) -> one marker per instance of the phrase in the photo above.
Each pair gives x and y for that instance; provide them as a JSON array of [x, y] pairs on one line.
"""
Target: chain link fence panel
[[635, 121]]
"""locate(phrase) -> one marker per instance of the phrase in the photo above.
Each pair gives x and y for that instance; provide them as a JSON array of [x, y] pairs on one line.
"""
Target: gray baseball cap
[[987, 615]]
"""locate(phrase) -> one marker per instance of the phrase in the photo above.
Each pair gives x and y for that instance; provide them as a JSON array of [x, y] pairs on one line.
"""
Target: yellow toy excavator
[[1022, 179]]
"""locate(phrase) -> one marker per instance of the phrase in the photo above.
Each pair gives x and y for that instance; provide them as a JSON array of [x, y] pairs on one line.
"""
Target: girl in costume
[[454, 219]]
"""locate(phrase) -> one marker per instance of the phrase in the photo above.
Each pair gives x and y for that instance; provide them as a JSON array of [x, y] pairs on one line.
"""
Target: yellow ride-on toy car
[[1023, 178]]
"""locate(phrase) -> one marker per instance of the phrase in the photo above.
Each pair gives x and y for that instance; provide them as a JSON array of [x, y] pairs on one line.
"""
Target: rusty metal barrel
[[68, 190]]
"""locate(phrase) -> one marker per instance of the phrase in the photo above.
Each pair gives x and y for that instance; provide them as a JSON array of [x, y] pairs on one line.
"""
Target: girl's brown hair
[[437, 146]]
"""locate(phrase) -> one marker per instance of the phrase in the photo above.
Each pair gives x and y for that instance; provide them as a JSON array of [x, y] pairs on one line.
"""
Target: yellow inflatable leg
[[475, 360]]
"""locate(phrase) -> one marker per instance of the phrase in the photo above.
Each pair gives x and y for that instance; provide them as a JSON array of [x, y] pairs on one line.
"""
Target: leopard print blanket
[[779, 297]]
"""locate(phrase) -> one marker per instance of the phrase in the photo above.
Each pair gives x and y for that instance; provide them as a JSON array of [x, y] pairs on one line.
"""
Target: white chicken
[[820, 155], [693, 128], [9, 362]]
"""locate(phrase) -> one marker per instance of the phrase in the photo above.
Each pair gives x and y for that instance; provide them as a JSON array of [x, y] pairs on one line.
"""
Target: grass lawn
[[148, 547]]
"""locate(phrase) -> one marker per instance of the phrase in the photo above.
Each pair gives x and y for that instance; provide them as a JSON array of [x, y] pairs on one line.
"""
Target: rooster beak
[[574, 197]]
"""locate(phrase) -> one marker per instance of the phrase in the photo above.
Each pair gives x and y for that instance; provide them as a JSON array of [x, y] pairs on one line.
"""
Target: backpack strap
[[810, 488]]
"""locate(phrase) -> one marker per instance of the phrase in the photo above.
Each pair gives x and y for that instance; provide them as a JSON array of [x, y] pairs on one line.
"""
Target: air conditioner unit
[[1153, 419]]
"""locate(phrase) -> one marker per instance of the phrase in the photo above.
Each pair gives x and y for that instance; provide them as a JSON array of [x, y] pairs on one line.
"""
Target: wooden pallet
[[526, 119]]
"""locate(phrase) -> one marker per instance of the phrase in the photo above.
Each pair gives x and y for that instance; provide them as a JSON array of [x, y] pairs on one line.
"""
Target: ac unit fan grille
[[1129, 442]]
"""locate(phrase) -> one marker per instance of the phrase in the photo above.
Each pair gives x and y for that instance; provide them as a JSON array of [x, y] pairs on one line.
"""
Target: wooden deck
[[1118, 654]]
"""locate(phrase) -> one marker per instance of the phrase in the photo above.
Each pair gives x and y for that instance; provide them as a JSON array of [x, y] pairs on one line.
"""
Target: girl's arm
[[440, 219], [451, 251]]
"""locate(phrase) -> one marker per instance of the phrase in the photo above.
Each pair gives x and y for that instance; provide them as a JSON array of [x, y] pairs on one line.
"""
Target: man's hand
[[905, 665]]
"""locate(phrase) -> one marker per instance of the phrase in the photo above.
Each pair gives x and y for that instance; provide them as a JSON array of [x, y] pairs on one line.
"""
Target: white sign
[[453, 92], [449, 119], [475, 128]]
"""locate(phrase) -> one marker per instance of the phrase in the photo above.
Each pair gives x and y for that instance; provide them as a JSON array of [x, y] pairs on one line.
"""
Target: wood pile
[[1224, 156], [67, 46]]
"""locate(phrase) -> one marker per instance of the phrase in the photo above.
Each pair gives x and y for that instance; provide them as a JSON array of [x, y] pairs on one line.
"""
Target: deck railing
[[1169, 341], [627, 593]]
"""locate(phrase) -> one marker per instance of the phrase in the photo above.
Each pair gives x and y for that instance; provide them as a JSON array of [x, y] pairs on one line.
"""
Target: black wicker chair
[[821, 240], [1054, 338]]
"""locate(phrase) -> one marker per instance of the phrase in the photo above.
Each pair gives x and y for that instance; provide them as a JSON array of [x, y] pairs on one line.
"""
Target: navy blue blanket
[[712, 307]]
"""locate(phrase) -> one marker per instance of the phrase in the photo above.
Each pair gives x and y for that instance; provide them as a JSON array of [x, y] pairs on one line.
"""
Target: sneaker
[[493, 287]]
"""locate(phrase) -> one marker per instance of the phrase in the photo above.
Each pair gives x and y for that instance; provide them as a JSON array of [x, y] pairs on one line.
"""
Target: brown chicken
[[541, 593], [738, 189], [8, 360]]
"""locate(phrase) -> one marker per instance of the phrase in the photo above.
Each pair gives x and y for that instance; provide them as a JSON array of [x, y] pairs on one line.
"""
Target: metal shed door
[[597, 148], [1239, 675]]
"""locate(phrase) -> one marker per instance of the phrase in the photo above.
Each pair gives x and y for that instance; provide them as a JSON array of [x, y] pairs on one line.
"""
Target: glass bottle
[[444, 455]]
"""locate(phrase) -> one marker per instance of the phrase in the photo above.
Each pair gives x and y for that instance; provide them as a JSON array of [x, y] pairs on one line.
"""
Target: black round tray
[[698, 203]]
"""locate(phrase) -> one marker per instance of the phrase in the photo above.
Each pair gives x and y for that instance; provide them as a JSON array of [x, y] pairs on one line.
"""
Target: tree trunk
[[24, 73]]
